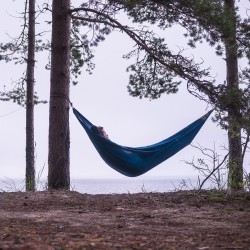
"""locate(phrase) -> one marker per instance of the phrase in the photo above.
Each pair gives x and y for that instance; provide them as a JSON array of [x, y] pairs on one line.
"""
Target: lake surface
[[112, 186]]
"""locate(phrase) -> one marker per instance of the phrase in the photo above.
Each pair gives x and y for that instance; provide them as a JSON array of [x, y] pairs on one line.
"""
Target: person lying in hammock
[[100, 131]]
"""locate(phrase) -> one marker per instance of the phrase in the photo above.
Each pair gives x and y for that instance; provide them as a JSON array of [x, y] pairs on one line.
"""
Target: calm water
[[104, 186], [112, 186]]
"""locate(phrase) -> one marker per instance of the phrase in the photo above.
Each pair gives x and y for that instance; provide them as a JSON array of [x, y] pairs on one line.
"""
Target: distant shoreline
[[112, 185]]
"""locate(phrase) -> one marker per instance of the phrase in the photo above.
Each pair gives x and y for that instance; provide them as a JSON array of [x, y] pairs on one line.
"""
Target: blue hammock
[[133, 162]]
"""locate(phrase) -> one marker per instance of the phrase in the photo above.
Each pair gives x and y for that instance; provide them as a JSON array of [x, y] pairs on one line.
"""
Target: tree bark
[[59, 138], [235, 177], [30, 147]]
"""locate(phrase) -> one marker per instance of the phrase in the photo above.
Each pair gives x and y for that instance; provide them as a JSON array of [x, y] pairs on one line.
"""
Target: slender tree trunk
[[59, 140], [235, 178], [30, 148]]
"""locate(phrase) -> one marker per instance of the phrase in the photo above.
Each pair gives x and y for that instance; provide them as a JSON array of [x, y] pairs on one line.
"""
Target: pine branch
[[180, 70]]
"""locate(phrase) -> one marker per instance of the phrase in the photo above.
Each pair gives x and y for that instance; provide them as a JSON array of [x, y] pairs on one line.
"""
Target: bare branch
[[245, 145], [212, 172]]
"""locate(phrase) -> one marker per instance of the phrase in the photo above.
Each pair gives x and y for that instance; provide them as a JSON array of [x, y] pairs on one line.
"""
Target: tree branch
[[212, 172], [245, 146], [202, 85]]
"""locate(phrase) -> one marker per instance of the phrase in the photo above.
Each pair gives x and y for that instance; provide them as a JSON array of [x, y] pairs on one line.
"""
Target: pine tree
[[22, 50], [58, 162], [30, 147], [218, 23]]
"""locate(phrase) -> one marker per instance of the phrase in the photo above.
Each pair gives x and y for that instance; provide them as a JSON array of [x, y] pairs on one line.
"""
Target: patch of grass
[[217, 197]]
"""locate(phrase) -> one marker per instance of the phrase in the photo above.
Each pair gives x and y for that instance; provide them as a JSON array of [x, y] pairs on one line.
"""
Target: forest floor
[[174, 220]]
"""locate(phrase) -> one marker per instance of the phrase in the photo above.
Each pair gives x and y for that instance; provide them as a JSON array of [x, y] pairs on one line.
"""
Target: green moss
[[215, 197]]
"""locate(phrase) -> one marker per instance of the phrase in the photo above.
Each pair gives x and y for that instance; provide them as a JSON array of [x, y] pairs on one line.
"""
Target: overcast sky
[[102, 97]]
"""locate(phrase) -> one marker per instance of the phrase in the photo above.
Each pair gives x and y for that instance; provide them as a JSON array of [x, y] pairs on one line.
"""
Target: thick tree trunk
[[30, 148], [235, 178], [59, 140]]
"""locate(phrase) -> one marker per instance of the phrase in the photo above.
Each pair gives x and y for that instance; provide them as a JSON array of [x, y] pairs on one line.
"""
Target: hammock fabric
[[133, 162]]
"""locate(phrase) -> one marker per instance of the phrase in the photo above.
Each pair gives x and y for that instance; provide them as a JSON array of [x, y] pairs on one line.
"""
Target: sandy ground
[[177, 220]]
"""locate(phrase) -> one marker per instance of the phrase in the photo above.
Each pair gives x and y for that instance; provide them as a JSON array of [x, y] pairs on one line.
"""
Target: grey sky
[[103, 99]]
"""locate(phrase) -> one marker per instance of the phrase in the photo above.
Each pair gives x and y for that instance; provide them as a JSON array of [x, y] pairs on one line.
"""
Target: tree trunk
[[30, 148], [59, 142], [235, 178]]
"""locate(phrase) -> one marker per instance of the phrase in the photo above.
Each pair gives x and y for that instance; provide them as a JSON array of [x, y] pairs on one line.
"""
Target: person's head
[[99, 130], [102, 131]]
